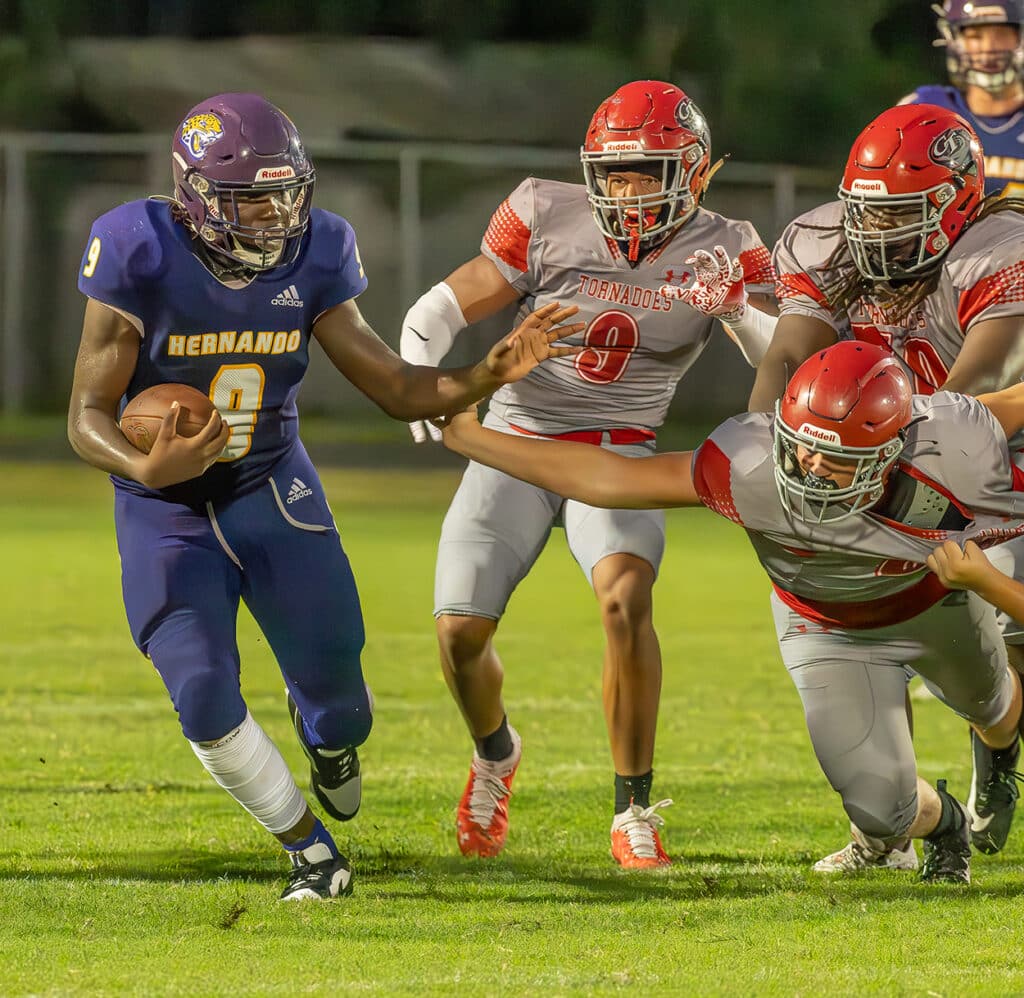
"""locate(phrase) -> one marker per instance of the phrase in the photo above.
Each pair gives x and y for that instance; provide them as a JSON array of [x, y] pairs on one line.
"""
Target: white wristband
[[752, 332], [430, 326]]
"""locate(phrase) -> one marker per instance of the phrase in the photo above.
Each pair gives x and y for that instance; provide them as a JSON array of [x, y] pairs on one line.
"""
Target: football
[[141, 419]]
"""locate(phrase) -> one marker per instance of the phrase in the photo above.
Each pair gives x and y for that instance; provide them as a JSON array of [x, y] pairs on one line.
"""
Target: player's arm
[[407, 391], [107, 355], [796, 337], [584, 472], [971, 569], [992, 356], [1008, 407], [473, 292]]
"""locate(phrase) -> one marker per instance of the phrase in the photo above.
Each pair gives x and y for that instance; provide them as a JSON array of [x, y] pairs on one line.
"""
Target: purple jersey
[[1001, 138], [246, 347]]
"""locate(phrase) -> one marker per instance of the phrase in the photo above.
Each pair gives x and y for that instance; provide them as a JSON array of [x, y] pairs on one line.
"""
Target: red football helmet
[[914, 180], [850, 403], [643, 124]]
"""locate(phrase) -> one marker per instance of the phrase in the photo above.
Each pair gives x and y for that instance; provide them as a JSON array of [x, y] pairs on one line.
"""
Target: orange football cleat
[[635, 841], [482, 819]]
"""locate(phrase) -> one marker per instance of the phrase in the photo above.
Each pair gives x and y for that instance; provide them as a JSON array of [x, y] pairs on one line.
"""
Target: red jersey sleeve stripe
[[508, 237], [1002, 287], [798, 286], [757, 266], [713, 482]]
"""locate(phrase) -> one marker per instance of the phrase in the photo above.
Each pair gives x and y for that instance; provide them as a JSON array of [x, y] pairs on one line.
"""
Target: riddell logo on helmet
[[817, 433], [274, 173], [869, 187], [631, 146]]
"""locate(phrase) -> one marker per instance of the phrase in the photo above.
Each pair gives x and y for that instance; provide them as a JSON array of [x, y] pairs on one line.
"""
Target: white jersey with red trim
[[640, 339], [981, 277], [954, 481]]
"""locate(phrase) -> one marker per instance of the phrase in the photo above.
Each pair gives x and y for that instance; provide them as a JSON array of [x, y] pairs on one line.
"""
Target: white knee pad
[[246, 763]]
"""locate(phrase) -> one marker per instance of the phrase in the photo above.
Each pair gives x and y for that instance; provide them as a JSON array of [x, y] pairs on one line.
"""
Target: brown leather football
[[142, 416]]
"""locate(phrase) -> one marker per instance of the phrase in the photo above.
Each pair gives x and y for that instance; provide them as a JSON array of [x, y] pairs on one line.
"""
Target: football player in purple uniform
[[915, 258], [648, 288], [222, 287], [844, 491], [984, 44]]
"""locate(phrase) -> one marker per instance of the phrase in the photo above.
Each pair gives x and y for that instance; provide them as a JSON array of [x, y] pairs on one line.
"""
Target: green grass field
[[124, 870]]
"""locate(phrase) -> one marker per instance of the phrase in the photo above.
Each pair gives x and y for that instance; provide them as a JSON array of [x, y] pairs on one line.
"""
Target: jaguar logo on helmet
[[199, 132], [692, 119], [952, 149]]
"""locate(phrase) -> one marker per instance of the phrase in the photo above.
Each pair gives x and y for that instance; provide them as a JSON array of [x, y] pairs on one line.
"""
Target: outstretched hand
[[958, 569], [532, 342], [718, 288]]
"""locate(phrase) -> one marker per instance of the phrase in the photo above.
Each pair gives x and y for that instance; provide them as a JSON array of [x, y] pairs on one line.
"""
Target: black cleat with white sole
[[319, 879], [333, 773], [994, 793], [947, 857]]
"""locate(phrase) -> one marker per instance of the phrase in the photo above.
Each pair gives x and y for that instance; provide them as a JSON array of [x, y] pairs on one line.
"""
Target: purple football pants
[[184, 569]]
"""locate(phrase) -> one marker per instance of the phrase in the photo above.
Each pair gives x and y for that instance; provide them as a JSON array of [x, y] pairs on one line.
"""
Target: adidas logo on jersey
[[299, 490], [290, 296]]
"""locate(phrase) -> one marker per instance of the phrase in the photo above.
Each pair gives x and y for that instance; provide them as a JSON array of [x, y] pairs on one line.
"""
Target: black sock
[[633, 790], [952, 816], [497, 745]]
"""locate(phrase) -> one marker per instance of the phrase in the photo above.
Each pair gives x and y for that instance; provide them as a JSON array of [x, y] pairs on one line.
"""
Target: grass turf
[[124, 870]]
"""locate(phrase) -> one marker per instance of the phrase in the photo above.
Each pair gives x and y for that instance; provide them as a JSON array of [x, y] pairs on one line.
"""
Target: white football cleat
[[866, 853]]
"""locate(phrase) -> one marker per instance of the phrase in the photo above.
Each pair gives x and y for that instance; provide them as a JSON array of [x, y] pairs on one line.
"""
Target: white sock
[[247, 764]]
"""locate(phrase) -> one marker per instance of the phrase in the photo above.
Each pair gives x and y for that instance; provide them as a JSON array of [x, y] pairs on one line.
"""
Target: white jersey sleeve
[[801, 256], [508, 242], [955, 440], [986, 269]]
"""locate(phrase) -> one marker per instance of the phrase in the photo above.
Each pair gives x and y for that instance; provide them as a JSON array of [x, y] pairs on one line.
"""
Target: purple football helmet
[[993, 71], [243, 179]]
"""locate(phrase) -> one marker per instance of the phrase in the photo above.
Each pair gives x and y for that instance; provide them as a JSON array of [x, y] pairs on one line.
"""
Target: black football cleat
[[994, 793], [947, 857], [333, 773], [315, 879]]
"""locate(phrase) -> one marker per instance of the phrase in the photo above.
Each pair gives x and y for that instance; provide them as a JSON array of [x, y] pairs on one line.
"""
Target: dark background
[[785, 85]]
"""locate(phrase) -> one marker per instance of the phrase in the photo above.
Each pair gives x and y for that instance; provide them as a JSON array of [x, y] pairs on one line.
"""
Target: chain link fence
[[418, 209]]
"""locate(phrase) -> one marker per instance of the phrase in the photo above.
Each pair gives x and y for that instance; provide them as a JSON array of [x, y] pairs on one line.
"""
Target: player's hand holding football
[[718, 288], [532, 342], [175, 458], [956, 569]]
